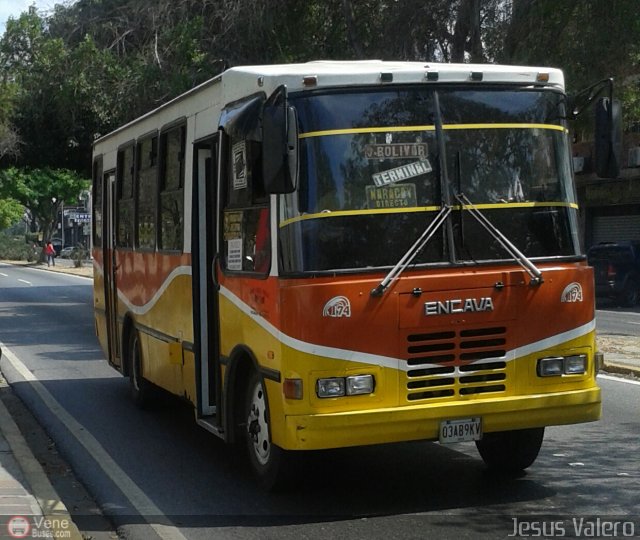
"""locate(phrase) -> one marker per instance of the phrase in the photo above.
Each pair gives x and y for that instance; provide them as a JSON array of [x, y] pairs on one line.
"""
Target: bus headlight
[[550, 367], [575, 365], [354, 385], [328, 388], [562, 365], [359, 384]]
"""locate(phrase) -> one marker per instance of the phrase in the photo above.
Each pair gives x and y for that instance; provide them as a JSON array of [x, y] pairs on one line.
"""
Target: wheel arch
[[240, 363], [128, 326]]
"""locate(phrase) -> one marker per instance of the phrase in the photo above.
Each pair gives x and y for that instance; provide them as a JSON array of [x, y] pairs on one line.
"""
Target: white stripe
[[626, 313], [3, 274], [303, 346], [141, 310], [555, 340], [24, 281], [619, 379], [139, 500], [388, 361]]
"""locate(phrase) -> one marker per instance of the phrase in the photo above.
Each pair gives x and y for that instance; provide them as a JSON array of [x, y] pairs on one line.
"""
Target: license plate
[[464, 429]]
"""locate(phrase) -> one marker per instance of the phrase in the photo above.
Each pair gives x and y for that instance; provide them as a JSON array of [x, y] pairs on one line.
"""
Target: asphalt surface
[[30, 478]]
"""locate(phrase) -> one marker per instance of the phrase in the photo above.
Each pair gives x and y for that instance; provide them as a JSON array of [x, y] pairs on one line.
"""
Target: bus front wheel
[[510, 452], [267, 460]]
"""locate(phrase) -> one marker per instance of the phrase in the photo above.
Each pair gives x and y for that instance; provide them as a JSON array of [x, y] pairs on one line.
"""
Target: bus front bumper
[[422, 422]]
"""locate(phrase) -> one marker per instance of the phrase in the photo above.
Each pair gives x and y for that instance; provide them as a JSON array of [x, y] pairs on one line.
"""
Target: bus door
[[109, 261], [205, 290]]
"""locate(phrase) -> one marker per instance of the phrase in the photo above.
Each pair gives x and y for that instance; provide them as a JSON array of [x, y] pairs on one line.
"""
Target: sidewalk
[[29, 505], [621, 354]]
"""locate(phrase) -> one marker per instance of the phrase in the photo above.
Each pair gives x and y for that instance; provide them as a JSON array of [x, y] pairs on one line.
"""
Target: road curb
[[621, 369], [53, 509]]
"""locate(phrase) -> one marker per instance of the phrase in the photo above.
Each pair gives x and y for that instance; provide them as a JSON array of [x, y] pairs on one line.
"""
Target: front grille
[[452, 363]]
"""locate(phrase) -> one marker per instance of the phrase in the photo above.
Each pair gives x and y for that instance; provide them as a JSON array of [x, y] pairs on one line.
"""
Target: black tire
[[510, 452], [141, 389], [269, 462], [630, 294]]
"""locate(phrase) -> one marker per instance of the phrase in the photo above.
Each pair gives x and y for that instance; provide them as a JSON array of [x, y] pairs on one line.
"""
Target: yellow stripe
[[489, 206], [395, 129], [340, 213]]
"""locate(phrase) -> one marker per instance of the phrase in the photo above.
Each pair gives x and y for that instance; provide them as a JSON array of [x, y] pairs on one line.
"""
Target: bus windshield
[[371, 177]]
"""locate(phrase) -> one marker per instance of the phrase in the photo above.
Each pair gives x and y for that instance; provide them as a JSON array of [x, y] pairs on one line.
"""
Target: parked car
[[617, 271], [67, 253], [57, 245]]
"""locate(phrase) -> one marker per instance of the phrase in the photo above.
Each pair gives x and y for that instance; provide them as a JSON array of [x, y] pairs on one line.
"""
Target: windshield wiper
[[518, 256], [412, 251], [441, 218]]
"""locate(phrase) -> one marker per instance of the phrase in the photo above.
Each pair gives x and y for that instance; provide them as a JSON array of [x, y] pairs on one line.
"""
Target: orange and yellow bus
[[335, 254]]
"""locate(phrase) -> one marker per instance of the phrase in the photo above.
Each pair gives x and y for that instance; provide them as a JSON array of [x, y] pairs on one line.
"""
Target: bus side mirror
[[608, 138], [279, 149]]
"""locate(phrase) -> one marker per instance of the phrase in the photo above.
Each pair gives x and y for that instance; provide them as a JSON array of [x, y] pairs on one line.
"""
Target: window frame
[[131, 144], [138, 161], [177, 125], [97, 198]]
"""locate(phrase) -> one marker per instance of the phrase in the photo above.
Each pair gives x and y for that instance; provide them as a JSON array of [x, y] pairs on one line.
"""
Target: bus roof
[[241, 81]]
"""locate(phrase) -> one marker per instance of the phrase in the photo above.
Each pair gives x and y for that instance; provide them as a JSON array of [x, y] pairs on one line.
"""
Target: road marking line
[[618, 379], [48, 499], [631, 322], [25, 281], [616, 312], [3, 274], [138, 499]]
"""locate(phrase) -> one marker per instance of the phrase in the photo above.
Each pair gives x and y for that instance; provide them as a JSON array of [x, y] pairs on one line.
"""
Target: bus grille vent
[[450, 363]]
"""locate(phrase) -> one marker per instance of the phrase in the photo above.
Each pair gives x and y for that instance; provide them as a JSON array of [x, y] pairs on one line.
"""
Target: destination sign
[[400, 196], [398, 174], [396, 150]]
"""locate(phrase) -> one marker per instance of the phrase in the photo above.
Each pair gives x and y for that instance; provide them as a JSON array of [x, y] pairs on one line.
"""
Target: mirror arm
[[592, 93]]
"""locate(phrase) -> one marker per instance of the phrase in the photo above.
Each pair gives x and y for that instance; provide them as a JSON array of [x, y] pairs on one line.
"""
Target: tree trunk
[[347, 10]]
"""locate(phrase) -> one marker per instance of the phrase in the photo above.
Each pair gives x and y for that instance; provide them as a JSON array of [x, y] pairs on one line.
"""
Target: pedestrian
[[50, 253]]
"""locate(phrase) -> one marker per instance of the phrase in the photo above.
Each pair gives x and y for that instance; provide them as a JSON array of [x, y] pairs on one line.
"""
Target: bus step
[[210, 426]]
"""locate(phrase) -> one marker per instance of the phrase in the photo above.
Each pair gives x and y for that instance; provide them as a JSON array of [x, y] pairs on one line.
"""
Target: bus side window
[[146, 178], [172, 151], [124, 202], [97, 202]]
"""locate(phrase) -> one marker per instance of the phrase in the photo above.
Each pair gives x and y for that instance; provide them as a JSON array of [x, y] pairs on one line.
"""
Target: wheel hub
[[257, 426]]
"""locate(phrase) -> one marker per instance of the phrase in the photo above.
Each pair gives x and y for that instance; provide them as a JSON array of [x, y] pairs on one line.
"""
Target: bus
[[333, 254]]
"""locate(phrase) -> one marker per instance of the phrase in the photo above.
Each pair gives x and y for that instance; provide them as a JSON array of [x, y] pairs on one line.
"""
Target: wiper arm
[[412, 251], [518, 256]]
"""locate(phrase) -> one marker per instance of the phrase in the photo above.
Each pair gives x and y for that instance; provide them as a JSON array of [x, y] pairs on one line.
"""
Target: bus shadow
[[162, 450]]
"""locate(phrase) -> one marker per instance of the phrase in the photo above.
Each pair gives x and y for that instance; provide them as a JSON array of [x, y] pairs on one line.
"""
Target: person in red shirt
[[50, 253]]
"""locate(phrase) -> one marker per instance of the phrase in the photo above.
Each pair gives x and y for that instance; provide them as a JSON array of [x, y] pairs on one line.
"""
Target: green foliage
[[92, 65], [14, 248], [63, 96], [42, 192], [590, 40], [11, 211]]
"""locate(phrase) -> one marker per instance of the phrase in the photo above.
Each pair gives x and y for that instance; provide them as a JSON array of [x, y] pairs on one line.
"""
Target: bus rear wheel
[[140, 388], [268, 461], [510, 452]]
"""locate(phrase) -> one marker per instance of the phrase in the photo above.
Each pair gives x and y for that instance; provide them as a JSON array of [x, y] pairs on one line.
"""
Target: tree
[[578, 38], [42, 192], [11, 212], [63, 96], [9, 142]]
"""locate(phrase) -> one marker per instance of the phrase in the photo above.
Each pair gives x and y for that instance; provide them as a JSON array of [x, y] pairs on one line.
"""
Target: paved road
[[156, 474], [618, 321]]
